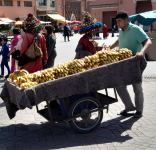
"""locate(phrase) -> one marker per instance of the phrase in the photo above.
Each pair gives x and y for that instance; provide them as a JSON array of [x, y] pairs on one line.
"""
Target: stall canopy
[[44, 22], [18, 23], [63, 22], [3, 23], [56, 17], [74, 22], [146, 18], [7, 20]]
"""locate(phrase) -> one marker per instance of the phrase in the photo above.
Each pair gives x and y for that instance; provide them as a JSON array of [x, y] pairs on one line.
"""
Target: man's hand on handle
[[147, 43], [139, 55]]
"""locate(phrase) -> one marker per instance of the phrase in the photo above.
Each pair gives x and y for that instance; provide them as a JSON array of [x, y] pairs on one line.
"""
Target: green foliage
[[6, 31]]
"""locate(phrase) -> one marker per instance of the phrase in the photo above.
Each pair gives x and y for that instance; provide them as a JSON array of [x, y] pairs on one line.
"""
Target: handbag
[[34, 50], [16, 54], [32, 54]]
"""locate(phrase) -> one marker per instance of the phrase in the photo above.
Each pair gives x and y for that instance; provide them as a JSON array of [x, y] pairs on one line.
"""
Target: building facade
[[76, 7], [45, 7], [17, 9], [106, 10]]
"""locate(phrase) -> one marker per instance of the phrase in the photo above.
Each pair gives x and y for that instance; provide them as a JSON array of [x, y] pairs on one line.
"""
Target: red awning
[[74, 22]]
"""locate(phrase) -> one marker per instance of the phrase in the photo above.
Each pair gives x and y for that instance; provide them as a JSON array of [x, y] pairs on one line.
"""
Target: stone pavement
[[30, 131]]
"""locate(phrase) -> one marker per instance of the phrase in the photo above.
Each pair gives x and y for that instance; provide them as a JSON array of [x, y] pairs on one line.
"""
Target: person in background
[[17, 37], [16, 52], [78, 27], [5, 58], [66, 32], [32, 30], [115, 28], [105, 31], [75, 29], [131, 37], [51, 46], [85, 46]]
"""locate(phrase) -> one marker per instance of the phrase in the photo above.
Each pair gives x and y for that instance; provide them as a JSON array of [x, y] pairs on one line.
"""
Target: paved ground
[[29, 131]]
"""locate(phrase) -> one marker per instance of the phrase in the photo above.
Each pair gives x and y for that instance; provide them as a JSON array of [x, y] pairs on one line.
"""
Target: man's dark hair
[[5, 39], [16, 31], [49, 29], [122, 14]]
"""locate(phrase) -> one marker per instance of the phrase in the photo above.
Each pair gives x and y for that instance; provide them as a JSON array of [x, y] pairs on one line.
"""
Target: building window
[[42, 2], [18, 3], [8, 3], [52, 3], [27, 4], [0, 2]]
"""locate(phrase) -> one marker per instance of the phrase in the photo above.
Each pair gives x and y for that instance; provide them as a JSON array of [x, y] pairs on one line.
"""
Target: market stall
[[146, 19]]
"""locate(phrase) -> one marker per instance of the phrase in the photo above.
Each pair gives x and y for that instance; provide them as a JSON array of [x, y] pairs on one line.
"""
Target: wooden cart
[[84, 114]]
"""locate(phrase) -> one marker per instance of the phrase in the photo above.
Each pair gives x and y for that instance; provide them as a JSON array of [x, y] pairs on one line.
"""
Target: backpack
[[33, 53]]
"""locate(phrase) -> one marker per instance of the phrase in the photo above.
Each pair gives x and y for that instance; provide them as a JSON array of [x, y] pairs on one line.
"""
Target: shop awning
[[44, 22], [56, 17]]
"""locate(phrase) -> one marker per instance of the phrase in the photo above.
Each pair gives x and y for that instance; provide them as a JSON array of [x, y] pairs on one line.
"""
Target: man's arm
[[115, 44], [147, 43], [79, 50]]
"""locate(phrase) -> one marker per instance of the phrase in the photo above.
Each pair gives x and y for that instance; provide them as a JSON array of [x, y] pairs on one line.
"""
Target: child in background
[[5, 58]]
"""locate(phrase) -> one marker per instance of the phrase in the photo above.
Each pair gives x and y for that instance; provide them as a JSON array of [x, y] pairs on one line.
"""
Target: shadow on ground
[[2, 104], [44, 136]]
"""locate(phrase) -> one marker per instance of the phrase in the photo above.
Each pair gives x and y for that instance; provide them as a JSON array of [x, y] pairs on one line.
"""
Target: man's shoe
[[1, 76], [124, 113]]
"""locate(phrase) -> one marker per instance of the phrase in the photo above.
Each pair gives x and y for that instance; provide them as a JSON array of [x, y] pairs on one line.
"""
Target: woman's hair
[[49, 29], [16, 31]]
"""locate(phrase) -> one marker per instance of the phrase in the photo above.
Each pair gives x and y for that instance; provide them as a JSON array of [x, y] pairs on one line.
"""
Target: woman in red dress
[[89, 28], [32, 27], [105, 31]]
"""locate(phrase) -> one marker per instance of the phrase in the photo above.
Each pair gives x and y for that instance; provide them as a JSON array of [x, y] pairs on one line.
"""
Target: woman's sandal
[[138, 114], [124, 113], [1, 76]]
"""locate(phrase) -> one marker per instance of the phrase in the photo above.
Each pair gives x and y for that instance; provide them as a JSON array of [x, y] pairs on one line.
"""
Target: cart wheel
[[85, 123]]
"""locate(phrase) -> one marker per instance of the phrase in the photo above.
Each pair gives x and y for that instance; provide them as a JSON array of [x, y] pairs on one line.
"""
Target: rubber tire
[[70, 115]]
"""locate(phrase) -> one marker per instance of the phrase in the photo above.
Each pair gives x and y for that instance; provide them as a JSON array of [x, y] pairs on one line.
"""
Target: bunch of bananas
[[60, 71], [28, 84], [91, 61], [124, 54], [13, 76], [113, 56], [25, 80], [102, 57], [74, 66]]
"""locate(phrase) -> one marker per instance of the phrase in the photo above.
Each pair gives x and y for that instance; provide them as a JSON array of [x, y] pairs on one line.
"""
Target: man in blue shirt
[[5, 58], [131, 37], [66, 32]]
